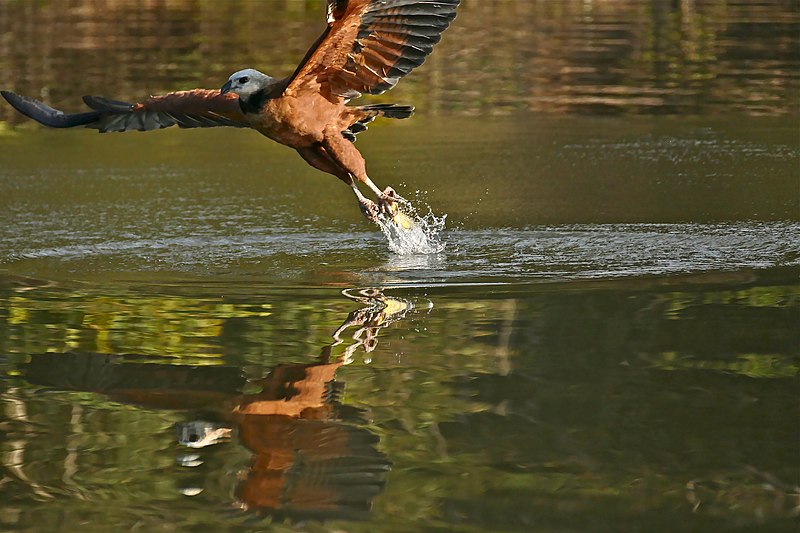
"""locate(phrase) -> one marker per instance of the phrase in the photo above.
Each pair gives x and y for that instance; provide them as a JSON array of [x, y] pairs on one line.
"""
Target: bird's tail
[[370, 112]]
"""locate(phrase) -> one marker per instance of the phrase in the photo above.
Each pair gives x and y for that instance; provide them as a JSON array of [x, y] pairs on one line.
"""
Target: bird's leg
[[387, 200], [347, 156], [368, 208], [317, 157], [388, 194]]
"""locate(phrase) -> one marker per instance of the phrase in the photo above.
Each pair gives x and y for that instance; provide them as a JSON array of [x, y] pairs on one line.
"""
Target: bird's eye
[[244, 79]]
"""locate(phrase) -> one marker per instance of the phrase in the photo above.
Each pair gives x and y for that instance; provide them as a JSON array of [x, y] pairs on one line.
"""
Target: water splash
[[423, 237]]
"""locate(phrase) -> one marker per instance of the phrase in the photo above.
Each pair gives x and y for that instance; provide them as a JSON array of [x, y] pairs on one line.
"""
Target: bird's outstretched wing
[[198, 108], [370, 44]]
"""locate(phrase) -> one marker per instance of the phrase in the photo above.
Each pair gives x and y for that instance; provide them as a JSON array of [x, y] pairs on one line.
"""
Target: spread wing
[[370, 44], [198, 108]]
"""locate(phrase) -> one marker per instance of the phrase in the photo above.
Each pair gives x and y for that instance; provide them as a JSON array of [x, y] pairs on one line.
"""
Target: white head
[[246, 82]]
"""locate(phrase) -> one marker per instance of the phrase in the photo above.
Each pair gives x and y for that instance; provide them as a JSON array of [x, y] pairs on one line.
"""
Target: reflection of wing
[[370, 44], [153, 385], [198, 108]]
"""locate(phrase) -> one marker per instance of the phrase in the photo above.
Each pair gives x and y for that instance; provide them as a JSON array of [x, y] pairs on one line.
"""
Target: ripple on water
[[428, 254]]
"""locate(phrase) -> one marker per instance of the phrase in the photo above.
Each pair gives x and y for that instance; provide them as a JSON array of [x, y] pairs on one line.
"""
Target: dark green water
[[199, 331]]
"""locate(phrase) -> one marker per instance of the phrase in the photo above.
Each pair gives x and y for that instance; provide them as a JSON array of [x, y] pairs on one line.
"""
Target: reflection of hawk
[[310, 459], [366, 48], [313, 457]]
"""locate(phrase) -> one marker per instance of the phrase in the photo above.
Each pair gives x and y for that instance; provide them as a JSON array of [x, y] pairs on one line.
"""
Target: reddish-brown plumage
[[193, 101], [361, 52]]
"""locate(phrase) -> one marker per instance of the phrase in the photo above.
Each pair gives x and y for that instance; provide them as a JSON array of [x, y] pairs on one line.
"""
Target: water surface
[[658, 402], [525, 197], [197, 330], [610, 334]]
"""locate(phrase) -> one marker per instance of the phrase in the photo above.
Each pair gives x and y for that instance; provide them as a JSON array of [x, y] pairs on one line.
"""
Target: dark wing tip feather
[[390, 110], [370, 44], [46, 115], [394, 37]]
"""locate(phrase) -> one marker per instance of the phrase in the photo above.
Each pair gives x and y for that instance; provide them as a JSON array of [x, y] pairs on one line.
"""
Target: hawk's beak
[[226, 88]]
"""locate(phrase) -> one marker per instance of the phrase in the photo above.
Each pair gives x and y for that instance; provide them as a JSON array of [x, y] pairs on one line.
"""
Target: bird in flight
[[367, 46]]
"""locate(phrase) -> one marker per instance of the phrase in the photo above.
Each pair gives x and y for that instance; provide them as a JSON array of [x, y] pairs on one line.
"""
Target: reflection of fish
[[367, 47], [379, 312]]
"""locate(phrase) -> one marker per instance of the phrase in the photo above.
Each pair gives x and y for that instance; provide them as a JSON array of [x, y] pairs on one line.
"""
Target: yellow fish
[[402, 220]]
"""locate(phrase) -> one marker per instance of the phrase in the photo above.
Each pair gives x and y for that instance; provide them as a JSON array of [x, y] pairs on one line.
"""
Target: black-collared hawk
[[367, 46]]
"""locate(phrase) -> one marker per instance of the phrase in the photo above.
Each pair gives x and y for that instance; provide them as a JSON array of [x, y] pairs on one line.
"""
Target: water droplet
[[423, 237]]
